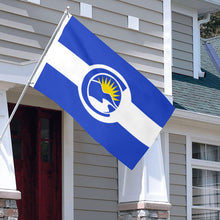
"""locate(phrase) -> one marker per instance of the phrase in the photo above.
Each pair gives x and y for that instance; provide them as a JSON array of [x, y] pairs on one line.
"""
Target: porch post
[[143, 191], [8, 192]]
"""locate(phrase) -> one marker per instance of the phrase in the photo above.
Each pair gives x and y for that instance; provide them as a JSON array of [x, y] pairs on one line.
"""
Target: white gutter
[[195, 116], [205, 20]]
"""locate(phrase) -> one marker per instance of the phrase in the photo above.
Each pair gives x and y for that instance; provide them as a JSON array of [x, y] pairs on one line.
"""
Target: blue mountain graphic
[[95, 90]]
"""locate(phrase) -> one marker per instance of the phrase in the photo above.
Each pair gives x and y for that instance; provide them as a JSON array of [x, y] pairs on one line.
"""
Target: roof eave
[[196, 116], [202, 6]]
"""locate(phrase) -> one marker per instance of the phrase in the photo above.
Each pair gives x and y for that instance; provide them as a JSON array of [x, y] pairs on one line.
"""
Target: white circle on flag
[[102, 91]]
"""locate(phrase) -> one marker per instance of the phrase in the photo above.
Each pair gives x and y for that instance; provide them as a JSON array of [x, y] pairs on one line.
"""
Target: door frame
[[67, 166], [35, 99]]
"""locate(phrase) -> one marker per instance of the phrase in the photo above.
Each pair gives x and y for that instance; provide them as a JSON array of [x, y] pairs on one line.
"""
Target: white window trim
[[200, 164], [189, 176], [196, 36]]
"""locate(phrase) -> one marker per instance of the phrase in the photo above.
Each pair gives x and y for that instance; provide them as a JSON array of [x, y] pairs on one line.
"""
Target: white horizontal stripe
[[43, 59], [75, 69], [137, 123], [67, 63]]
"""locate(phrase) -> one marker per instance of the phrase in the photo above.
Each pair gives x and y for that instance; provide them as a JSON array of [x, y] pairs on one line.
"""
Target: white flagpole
[[66, 13]]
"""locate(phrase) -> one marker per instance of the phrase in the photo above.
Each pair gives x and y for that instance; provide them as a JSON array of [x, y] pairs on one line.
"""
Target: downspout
[[205, 20]]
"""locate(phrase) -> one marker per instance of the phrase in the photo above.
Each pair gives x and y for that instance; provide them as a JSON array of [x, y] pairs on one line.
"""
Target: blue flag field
[[111, 100]]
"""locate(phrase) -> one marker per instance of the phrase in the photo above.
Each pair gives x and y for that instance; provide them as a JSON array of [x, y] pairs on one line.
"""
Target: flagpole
[[66, 13]]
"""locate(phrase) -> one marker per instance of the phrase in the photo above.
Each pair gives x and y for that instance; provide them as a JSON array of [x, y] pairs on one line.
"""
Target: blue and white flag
[[110, 99]]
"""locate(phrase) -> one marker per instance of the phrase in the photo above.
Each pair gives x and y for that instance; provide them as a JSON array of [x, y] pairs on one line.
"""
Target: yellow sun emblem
[[107, 87]]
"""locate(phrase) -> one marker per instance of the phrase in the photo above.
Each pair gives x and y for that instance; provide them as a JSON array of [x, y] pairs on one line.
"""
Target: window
[[205, 181], [46, 140]]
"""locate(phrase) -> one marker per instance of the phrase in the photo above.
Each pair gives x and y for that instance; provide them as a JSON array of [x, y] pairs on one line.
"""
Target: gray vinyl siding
[[95, 179], [182, 33], [25, 31], [177, 157]]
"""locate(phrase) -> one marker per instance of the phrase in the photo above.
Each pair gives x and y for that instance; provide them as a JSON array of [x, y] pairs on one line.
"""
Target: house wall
[[184, 128], [95, 175], [177, 155], [26, 29], [182, 33]]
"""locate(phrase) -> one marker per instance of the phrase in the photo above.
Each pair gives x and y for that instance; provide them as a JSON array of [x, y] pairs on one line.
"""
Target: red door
[[36, 142]]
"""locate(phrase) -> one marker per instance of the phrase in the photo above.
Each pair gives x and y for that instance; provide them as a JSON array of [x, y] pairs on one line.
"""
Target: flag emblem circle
[[102, 91]]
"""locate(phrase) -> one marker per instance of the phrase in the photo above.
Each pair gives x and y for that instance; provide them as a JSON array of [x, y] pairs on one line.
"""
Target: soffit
[[203, 6]]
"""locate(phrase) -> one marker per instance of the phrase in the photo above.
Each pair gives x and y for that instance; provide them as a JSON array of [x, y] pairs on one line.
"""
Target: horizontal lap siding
[[95, 169], [182, 33], [95, 175], [26, 29], [177, 176]]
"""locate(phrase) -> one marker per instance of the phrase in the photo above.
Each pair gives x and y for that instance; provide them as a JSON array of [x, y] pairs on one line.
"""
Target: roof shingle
[[199, 95]]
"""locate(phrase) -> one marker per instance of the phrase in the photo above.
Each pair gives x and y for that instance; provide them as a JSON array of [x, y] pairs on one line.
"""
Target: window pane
[[213, 153], [46, 151], [212, 188], [199, 177], [45, 128], [198, 151], [199, 186], [213, 179], [206, 190], [206, 152], [199, 214]]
